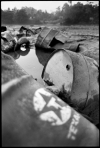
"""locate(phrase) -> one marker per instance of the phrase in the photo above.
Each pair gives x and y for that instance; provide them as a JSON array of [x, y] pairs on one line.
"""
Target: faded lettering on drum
[[73, 127]]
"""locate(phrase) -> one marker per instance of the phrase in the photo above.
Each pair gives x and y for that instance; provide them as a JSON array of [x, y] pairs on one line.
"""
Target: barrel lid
[[58, 71], [68, 71]]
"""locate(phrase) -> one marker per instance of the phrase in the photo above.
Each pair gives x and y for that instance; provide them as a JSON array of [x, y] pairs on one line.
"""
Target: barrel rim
[[55, 51]]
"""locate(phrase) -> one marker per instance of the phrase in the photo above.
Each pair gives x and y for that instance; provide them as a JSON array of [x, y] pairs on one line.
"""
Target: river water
[[30, 63]]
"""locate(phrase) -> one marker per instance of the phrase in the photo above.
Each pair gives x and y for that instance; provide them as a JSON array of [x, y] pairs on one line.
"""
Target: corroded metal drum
[[49, 37], [34, 116], [7, 35], [53, 38], [67, 69], [9, 44], [3, 28], [59, 72]]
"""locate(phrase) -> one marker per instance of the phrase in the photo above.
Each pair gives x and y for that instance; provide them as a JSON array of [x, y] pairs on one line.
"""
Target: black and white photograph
[[50, 73]]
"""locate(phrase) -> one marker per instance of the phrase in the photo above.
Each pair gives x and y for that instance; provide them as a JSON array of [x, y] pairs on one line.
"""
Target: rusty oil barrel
[[33, 116], [3, 28], [7, 35], [76, 78], [49, 37]]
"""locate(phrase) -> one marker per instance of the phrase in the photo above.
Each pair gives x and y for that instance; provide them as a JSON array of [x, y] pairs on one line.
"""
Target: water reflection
[[28, 60], [43, 55]]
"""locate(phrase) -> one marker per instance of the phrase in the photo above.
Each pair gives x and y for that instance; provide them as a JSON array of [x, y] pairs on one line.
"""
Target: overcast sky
[[49, 6]]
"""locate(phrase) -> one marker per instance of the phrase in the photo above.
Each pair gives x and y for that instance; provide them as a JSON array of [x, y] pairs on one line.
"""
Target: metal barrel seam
[[89, 81]]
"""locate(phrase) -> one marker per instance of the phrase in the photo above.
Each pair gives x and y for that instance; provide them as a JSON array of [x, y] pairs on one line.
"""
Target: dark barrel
[[67, 70], [33, 116]]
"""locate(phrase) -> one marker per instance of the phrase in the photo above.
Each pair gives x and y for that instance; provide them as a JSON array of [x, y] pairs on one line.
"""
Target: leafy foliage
[[68, 15]]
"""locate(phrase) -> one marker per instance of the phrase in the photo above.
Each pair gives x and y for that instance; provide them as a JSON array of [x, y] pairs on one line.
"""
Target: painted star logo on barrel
[[51, 104], [51, 108]]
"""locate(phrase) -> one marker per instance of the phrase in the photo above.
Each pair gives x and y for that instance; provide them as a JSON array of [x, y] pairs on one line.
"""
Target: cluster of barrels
[[66, 111]]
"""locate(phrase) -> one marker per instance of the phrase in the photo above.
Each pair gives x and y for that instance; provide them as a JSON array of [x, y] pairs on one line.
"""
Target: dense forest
[[67, 15]]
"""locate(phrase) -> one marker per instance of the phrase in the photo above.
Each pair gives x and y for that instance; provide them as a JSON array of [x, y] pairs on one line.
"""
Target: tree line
[[67, 15]]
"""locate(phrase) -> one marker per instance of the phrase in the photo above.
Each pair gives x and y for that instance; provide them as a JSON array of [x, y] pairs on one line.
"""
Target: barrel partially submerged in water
[[9, 44], [20, 42], [67, 69], [3, 28]]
